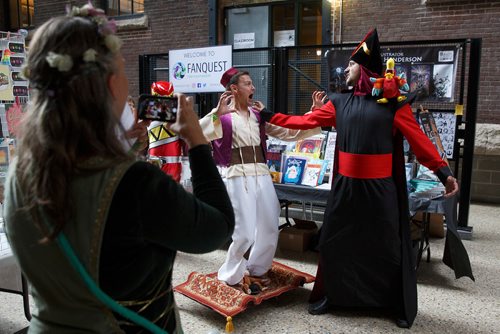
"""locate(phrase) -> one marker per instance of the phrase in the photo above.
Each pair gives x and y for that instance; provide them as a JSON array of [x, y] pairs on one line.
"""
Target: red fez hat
[[367, 53], [162, 88], [226, 77]]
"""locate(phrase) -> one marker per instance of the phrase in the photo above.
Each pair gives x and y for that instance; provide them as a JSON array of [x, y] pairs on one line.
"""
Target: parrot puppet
[[390, 84]]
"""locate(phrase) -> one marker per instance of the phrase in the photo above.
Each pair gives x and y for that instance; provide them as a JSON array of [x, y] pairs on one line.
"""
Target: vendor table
[[290, 193], [455, 255], [427, 207]]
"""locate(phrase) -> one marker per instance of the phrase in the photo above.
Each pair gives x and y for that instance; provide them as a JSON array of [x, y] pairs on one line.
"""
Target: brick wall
[[486, 178], [171, 25], [184, 24], [440, 19], [398, 20]]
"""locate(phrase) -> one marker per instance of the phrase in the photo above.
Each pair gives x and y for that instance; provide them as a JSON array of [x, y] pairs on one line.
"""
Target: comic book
[[274, 157], [312, 172], [310, 145], [293, 169]]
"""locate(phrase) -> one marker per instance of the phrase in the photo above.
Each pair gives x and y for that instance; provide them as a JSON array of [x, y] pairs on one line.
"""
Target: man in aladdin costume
[[238, 136], [365, 250], [163, 143]]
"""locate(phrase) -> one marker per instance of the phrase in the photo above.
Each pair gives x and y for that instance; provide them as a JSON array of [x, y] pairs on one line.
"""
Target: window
[[287, 23], [124, 7], [284, 25], [297, 23], [21, 14], [310, 27]]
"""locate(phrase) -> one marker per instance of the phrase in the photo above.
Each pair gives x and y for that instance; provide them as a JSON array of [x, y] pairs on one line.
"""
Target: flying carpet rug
[[207, 290]]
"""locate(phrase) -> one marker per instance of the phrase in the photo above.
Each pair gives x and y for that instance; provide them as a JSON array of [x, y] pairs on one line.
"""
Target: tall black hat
[[367, 53]]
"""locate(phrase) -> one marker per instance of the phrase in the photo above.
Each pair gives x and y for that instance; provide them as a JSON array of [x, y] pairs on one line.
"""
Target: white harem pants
[[257, 212]]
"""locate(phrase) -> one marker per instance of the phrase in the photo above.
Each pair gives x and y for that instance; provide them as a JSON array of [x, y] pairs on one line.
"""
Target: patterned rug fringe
[[207, 290]]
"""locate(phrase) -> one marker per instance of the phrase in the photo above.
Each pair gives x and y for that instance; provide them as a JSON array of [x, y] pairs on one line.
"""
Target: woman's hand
[[187, 124], [139, 131]]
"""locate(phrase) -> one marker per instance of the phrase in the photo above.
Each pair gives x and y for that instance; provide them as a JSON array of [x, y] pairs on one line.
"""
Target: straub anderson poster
[[431, 70]]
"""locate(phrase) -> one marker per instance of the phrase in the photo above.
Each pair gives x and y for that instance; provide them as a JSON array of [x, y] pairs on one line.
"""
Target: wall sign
[[199, 70]]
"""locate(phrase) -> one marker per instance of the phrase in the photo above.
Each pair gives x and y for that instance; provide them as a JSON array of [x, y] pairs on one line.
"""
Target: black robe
[[364, 246], [365, 250]]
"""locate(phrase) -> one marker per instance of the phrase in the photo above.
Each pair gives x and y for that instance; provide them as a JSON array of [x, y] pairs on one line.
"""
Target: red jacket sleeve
[[324, 116], [421, 145]]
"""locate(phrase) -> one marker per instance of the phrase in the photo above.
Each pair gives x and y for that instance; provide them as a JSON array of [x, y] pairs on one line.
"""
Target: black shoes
[[402, 323], [254, 289], [320, 307]]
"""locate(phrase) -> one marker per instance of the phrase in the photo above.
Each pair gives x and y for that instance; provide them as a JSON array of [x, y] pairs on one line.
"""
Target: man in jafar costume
[[365, 248]]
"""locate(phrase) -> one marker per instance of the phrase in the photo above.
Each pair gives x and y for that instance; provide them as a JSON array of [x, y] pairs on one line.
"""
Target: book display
[[304, 162]]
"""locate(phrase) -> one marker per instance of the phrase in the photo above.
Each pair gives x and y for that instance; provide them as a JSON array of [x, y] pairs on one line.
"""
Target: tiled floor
[[446, 305]]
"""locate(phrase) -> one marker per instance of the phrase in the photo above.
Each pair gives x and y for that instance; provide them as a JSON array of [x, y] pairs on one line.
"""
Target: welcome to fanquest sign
[[199, 70]]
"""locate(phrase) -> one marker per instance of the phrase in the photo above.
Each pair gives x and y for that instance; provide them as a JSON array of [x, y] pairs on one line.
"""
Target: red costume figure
[[163, 143], [389, 84]]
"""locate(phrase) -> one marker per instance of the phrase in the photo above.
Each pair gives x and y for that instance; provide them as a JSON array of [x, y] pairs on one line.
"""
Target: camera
[[157, 108]]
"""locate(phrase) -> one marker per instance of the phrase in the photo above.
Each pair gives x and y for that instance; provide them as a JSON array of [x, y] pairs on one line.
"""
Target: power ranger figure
[[164, 145]]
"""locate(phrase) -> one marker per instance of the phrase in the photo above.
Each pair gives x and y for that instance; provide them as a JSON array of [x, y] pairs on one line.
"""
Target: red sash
[[365, 166]]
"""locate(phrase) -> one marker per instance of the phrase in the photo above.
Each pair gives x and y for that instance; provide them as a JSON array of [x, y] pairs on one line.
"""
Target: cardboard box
[[436, 226], [297, 238]]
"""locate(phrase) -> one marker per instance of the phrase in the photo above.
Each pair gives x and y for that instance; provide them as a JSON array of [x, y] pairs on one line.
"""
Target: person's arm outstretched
[[424, 149], [320, 115]]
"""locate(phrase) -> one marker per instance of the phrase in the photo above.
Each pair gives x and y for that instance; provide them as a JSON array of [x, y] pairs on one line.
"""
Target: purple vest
[[222, 147]]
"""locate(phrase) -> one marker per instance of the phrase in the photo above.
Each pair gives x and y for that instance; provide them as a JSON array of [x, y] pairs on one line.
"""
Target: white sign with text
[[244, 40], [199, 70]]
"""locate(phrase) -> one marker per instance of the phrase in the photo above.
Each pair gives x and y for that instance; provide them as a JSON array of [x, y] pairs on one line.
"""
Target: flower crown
[[106, 28]]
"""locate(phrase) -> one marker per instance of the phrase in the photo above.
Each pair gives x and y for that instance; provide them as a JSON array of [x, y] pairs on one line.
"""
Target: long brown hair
[[69, 120]]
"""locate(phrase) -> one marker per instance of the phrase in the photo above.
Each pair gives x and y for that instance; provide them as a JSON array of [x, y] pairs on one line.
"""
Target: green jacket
[[128, 222], [63, 302]]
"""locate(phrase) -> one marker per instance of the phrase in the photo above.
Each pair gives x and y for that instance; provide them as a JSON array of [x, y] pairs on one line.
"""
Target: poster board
[[14, 94], [12, 57], [429, 127], [431, 71], [445, 122]]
